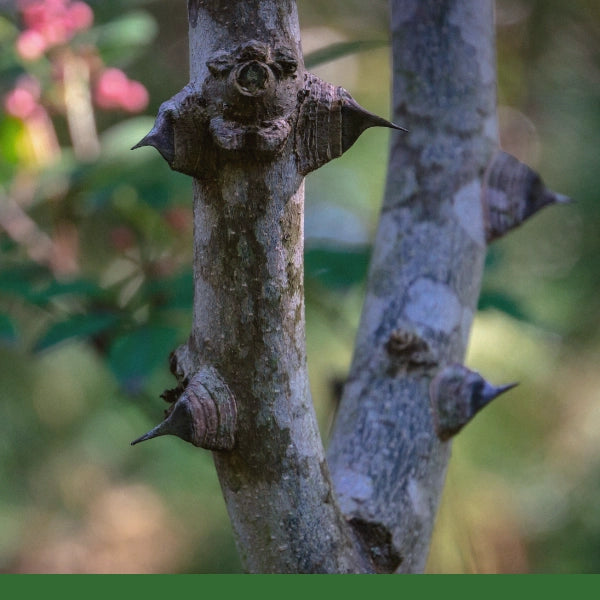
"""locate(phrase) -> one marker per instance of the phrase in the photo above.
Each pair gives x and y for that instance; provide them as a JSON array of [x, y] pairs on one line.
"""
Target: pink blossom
[[54, 31], [35, 13], [122, 237], [136, 99], [180, 218], [55, 21], [110, 88], [79, 16], [115, 91], [22, 101], [31, 44]]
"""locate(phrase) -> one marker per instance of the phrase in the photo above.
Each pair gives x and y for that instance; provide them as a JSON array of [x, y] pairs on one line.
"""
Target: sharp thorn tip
[[508, 386], [143, 142], [157, 431], [561, 199]]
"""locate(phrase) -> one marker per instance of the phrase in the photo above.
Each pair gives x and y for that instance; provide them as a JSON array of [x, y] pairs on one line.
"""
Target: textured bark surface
[[248, 126], [249, 316], [387, 463]]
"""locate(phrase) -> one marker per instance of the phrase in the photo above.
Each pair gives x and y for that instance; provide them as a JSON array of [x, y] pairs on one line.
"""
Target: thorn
[[489, 392], [179, 422], [161, 137], [561, 199], [159, 430], [513, 192], [205, 414], [356, 119], [457, 394]]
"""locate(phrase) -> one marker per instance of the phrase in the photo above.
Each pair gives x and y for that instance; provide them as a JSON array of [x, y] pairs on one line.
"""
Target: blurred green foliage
[[96, 290]]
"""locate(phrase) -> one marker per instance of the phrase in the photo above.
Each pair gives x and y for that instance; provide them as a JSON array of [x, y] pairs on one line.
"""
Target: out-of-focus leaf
[[337, 267], [339, 50], [23, 280], [36, 285], [77, 326], [134, 356], [175, 292], [10, 132], [124, 38], [494, 258], [79, 287], [144, 218], [118, 140], [7, 245], [8, 330], [502, 302], [117, 166]]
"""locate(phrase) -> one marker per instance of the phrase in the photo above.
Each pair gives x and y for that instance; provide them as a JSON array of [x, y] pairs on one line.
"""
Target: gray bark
[[249, 324], [248, 127], [387, 463]]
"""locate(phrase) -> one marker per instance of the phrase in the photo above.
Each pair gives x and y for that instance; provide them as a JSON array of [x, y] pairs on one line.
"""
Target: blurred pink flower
[[50, 23], [180, 218], [79, 16], [22, 101], [136, 99], [110, 88], [114, 90], [31, 44]]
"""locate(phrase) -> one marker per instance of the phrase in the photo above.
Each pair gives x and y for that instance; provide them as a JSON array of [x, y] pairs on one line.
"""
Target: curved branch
[[387, 462]]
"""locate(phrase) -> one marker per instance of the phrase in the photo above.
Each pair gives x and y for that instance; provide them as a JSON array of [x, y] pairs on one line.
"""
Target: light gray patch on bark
[[433, 305], [469, 212]]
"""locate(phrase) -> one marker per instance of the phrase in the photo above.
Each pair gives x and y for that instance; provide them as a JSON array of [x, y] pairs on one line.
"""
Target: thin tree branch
[[387, 462]]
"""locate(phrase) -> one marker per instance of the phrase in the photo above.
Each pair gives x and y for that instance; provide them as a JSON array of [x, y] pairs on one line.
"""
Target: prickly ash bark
[[387, 462], [248, 126], [249, 323]]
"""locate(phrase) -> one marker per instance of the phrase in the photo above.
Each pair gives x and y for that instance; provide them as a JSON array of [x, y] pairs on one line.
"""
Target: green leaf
[[8, 330], [337, 267], [133, 357], [10, 132], [175, 292], [77, 287], [502, 302], [123, 39], [339, 50], [24, 280], [77, 326], [36, 285], [143, 169]]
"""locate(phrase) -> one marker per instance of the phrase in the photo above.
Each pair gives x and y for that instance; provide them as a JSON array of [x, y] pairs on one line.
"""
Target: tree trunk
[[249, 325], [248, 127], [387, 462], [245, 129]]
